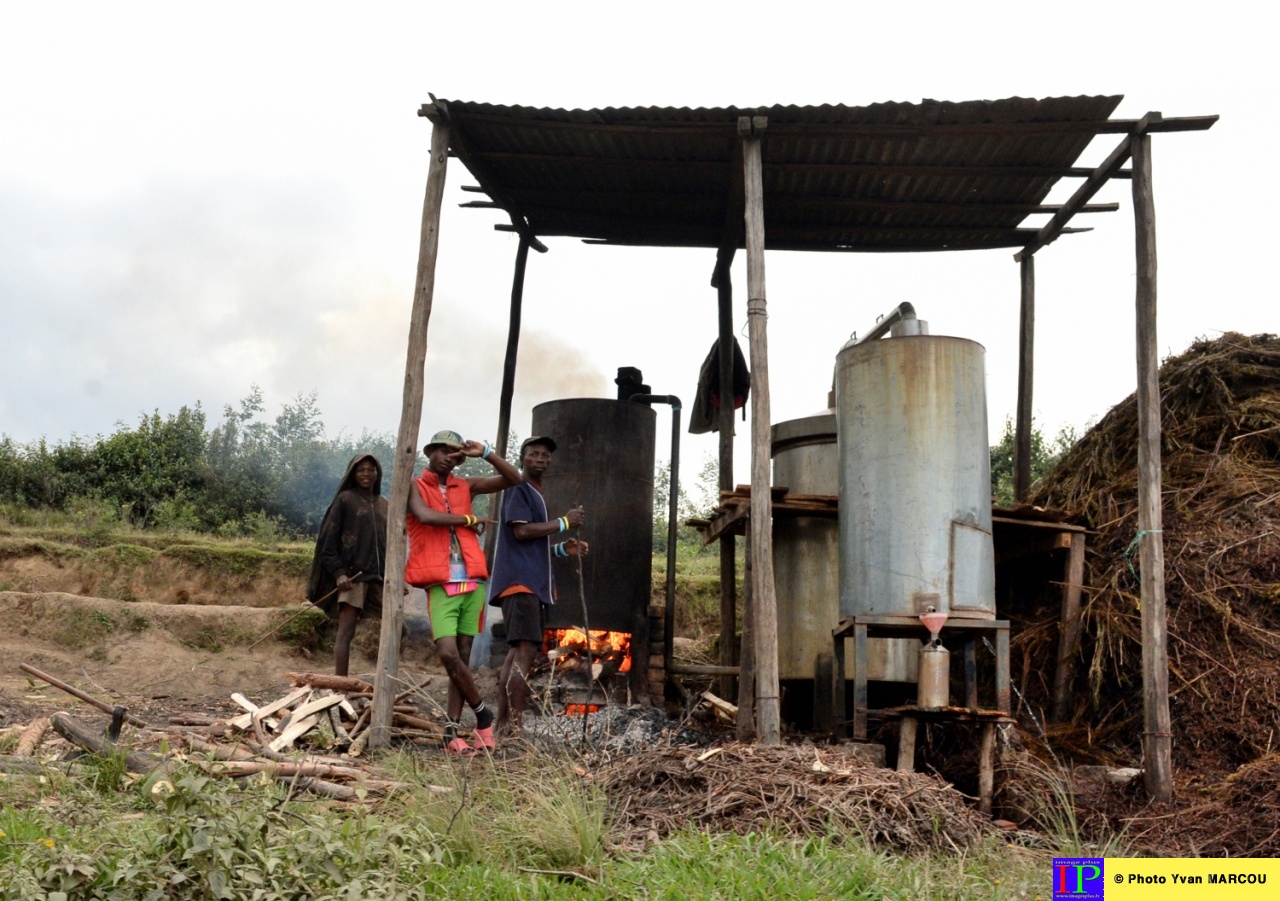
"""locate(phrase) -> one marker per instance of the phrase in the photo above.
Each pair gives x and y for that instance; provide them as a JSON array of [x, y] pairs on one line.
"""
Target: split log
[[417, 722], [31, 737], [77, 693], [216, 751], [273, 768], [340, 736], [245, 721], [193, 719], [323, 680], [320, 787], [295, 730]]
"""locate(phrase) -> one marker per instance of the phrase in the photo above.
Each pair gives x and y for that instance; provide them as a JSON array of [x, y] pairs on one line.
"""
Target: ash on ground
[[615, 728]]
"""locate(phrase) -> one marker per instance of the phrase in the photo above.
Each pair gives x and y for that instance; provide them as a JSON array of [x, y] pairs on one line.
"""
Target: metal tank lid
[[815, 428]]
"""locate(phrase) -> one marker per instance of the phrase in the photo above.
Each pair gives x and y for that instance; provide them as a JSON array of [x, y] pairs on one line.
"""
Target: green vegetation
[[528, 829], [1044, 456]]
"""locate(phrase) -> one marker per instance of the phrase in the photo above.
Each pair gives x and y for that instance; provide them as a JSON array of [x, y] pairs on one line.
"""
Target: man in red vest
[[445, 558]]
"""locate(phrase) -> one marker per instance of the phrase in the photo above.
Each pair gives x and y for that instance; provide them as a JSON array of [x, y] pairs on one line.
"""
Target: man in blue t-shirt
[[521, 582]]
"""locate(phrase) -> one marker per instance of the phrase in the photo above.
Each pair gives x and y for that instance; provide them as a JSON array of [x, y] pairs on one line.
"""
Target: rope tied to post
[[1133, 547]]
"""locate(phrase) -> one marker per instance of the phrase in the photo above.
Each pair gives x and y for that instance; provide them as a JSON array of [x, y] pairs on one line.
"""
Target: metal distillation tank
[[914, 482]]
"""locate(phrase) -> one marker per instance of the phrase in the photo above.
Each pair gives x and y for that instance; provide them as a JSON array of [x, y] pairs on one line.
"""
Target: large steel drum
[[914, 480], [604, 461]]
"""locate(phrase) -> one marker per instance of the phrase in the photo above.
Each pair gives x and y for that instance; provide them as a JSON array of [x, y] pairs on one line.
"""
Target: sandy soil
[[163, 659]]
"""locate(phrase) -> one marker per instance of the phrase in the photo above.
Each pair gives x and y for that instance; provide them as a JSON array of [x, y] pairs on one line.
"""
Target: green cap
[[444, 437]]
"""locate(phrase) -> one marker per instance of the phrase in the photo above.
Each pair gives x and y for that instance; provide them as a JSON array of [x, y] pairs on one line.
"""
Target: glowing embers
[[582, 667]]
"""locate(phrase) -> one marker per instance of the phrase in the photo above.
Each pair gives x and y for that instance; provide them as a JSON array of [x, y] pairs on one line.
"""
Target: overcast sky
[[194, 200]]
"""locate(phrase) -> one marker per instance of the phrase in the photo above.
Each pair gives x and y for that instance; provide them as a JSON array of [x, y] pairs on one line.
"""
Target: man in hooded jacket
[[351, 553]]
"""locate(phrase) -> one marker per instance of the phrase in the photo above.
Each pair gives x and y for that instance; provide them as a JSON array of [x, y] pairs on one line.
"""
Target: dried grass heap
[[1221, 502], [797, 790]]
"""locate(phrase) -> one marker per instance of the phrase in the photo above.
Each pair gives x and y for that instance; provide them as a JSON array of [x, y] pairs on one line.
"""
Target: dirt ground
[[163, 659]]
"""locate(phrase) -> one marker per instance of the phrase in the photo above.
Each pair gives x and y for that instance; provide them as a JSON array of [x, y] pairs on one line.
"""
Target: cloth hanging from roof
[[705, 415]]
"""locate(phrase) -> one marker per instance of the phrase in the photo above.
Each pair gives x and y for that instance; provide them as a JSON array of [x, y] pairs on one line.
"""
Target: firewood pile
[[312, 738], [797, 789]]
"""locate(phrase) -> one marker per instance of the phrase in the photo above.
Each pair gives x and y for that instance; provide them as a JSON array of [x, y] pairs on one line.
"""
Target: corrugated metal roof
[[891, 176]]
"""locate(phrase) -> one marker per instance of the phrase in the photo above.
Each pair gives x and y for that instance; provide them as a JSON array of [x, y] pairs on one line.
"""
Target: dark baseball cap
[[538, 439], [445, 438]]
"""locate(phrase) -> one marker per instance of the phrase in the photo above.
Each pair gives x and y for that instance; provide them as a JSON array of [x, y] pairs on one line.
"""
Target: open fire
[[590, 659]]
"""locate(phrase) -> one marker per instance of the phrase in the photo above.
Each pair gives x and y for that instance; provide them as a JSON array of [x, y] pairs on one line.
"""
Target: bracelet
[[560, 550], [564, 523], [470, 520], [484, 455]]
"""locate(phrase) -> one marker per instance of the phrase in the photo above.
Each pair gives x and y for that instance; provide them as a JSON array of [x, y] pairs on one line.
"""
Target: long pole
[[1026, 378], [1157, 738], [765, 625], [728, 549], [407, 440]]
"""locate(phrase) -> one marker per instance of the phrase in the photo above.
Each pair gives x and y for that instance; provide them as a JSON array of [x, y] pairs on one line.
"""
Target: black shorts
[[524, 618]]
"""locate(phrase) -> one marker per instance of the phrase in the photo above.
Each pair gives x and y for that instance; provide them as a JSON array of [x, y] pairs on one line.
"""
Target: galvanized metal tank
[[914, 479], [604, 461], [806, 549]]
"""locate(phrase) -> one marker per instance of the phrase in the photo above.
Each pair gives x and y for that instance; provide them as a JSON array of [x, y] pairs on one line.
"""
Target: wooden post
[[1026, 369], [1158, 738], [728, 542], [508, 382], [1069, 639], [384, 684], [763, 595], [746, 723]]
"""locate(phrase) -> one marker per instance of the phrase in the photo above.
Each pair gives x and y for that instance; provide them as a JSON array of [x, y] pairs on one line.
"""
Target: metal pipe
[[903, 310], [673, 486]]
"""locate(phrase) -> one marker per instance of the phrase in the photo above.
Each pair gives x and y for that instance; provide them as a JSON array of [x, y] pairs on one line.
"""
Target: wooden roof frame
[[743, 225]]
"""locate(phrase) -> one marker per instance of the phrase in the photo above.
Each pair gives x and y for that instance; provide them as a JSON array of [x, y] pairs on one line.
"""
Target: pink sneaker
[[484, 740]]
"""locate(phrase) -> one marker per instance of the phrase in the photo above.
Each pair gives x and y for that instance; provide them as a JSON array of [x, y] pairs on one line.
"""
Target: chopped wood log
[[77, 693], [340, 736], [723, 709], [417, 722], [193, 719], [323, 680], [216, 751], [316, 706], [320, 787], [31, 737], [296, 730], [245, 721], [276, 768]]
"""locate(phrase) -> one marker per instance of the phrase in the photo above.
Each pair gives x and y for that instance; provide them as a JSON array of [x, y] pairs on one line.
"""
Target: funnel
[[933, 621]]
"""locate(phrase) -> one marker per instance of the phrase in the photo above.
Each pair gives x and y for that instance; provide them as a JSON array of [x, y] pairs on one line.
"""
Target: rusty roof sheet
[[887, 177]]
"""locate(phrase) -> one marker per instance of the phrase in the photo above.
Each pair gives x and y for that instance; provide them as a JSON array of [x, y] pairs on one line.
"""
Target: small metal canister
[[934, 684]]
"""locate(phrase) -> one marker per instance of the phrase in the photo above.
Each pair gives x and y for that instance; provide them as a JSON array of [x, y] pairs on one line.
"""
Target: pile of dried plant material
[[795, 789], [1239, 817], [1221, 495], [310, 737]]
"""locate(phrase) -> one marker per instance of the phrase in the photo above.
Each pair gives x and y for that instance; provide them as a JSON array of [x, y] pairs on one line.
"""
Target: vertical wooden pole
[[746, 723], [508, 381], [1158, 738], [728, 542], [763, 595], [384, 686], [1069, 638], [1026, 371]]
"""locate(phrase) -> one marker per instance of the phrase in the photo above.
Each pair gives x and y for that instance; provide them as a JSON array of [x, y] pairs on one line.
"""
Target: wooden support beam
[[508, 380], [1108, 169], [1069, 638], [480, 205], [1026, 379], [1157, 732], [728, 549], [641, 165], [764, 597], [406, 449]]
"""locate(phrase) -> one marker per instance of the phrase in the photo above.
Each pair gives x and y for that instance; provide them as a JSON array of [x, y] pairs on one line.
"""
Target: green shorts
[[461, 614]]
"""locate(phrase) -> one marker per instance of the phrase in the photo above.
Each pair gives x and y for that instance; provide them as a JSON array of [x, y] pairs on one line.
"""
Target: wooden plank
[[725, 523], [1026, 378], [1069, 637], [764, 597], [1037, 524], [1158, 739], [294, 731], [906, 745], [406, 448], [986, 768]]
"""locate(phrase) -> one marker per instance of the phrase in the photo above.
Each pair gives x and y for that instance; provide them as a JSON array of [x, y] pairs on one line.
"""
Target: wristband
[[560, 550], [484, 455], [564, 524]]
